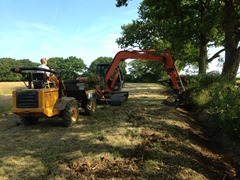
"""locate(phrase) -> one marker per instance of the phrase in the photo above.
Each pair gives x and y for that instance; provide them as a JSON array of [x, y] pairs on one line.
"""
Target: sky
[[87, 29]]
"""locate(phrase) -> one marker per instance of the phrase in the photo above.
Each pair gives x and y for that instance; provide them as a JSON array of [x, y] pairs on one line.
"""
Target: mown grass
[[142, 139], [6, 107]]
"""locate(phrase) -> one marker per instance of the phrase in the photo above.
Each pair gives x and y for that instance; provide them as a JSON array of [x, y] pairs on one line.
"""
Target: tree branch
[[121, 3], [216, 55]]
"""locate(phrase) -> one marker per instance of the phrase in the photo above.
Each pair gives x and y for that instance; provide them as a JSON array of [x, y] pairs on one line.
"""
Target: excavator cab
[[102, 69]]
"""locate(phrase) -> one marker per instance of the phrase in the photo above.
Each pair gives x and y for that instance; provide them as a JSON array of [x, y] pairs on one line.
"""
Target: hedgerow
[[220, 98]]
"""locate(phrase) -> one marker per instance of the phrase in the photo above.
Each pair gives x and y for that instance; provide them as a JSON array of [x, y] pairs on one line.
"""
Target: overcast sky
[[87, 29]]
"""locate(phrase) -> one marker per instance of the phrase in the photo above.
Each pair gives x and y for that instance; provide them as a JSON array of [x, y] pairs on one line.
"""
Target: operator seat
[[39, 80]]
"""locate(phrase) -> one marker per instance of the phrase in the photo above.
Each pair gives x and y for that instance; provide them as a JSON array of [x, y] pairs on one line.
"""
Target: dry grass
[[142, 139], [6, 89]]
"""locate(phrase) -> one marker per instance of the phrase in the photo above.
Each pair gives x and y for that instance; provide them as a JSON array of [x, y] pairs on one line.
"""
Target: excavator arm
[[113, 71], [109, 89]]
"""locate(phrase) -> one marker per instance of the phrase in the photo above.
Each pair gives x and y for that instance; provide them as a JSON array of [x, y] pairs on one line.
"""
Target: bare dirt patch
[[142, 139]]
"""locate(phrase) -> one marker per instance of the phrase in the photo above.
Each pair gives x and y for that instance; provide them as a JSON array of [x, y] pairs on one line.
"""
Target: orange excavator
[[111, 78]]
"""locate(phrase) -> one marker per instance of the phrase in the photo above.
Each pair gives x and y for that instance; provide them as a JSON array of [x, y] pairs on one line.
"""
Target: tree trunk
[[231, 64], [232, 52], [202, 62]]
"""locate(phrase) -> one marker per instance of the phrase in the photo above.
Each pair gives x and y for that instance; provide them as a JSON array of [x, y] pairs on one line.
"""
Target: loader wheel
[[28, 121], [90, 106], [70, 114]]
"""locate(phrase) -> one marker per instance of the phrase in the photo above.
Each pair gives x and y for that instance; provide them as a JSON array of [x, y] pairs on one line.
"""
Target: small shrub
[[198, 94]]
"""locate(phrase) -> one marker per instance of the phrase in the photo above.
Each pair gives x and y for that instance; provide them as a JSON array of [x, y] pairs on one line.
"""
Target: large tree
[[178, 25]]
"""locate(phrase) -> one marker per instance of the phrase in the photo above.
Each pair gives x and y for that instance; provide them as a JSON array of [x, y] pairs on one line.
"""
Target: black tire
[[29, 121], [90, 107], [70, 114]]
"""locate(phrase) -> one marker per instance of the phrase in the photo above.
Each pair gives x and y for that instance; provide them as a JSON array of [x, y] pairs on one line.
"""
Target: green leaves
[[121, 3], [218, 96], [92, 68], [7, 63], [183, 26], [146, 71], [69, 68]]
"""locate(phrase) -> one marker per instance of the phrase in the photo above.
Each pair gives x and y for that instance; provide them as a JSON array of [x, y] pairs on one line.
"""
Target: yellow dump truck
[[51, 96]]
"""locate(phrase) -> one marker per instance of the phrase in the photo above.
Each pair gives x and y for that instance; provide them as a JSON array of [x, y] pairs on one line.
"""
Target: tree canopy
[[178, 25], [188, 28], [69, 68], [7, 63]]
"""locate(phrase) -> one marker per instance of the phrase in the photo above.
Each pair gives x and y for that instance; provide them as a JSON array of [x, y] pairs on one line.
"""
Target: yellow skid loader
[[51, 96]]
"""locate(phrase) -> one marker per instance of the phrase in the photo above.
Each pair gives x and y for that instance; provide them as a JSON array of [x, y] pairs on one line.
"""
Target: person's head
[[43, 61]]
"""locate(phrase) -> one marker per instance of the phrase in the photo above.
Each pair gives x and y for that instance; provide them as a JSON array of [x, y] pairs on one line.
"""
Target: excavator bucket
[[117, 98], [114, 98]]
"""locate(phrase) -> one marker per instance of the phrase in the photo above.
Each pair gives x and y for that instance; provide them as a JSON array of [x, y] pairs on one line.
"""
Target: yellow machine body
[[50, 96], [35, 102]]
